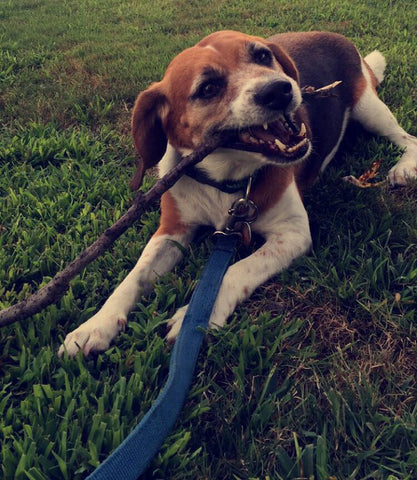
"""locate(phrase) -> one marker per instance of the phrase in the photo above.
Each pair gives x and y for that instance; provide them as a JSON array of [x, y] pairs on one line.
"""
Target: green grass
[[314, 377]]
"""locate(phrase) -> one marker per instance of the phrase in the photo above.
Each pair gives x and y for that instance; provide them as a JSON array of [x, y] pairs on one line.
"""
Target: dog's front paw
[[175, 323], [403, 172], [95, 335]]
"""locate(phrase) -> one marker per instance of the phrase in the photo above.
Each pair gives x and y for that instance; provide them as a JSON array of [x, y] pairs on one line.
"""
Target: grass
[[314, 378]]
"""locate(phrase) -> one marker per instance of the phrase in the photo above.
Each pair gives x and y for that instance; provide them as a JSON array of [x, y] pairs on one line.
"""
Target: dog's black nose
[[275, 95]]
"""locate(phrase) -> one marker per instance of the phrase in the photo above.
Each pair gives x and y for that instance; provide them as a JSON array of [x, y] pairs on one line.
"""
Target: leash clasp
[[242, 214]]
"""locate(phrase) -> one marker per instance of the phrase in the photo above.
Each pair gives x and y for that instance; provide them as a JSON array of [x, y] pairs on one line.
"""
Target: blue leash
[[133, 455]]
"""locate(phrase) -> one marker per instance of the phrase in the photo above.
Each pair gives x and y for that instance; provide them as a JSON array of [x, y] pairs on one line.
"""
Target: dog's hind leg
[[372, 113]]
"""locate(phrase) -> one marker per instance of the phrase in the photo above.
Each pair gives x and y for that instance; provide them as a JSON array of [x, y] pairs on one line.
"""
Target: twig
[[353, 180], [364, 181], [325, 91], [59, 285]]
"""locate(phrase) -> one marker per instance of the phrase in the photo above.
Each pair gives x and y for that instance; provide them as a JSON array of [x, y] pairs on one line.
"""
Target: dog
[[250, 88]]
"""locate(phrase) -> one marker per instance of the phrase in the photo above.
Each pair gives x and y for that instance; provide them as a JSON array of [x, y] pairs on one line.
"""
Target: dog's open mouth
[[281, 140]]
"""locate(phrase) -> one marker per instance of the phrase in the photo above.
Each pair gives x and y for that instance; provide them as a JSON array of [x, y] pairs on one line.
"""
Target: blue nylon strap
[[133, 455]]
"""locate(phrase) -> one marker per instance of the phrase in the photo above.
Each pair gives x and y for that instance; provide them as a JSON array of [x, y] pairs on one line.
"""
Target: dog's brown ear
[[285, 61], [148, 133]]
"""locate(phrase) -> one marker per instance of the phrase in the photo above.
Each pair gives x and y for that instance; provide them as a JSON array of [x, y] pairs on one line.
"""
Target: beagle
[[250, 88]]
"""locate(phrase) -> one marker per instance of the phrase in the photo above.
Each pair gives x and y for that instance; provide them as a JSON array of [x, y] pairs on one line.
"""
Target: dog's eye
[[210, 89], [262, 57]]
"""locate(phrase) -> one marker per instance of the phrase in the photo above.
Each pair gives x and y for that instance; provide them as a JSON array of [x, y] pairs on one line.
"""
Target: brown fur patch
[[147, 130], [271, 185], [358, 89], [171, 221]]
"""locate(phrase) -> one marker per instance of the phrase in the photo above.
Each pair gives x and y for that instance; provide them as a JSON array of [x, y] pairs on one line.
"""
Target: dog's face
[[237, 85]]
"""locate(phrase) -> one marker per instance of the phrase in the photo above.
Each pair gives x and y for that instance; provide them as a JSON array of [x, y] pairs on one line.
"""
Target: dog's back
[[321, 59]]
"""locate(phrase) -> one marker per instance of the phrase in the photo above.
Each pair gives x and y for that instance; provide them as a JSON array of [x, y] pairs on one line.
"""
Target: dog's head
[[229, 83]]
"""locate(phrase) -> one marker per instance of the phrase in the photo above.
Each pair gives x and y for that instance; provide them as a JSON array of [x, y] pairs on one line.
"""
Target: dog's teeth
[[298, 146], [253, 139], [280, 145], [265, 125], [302, 131]]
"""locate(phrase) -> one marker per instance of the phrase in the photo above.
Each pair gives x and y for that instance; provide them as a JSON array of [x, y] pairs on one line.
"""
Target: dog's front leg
[[159, 256], [242, 278]]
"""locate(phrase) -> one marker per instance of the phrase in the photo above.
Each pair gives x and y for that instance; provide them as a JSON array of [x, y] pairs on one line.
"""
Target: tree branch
[[59, 285], [326, 91]]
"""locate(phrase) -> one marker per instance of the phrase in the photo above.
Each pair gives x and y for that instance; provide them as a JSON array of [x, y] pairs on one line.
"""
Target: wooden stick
[[59, 285], [364, 181], [325, 91]]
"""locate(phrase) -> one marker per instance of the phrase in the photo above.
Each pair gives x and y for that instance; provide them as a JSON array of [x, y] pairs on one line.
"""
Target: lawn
[[314, 377]]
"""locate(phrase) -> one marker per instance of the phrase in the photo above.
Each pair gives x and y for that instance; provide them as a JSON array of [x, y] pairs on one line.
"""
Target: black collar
[[226, 186]]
